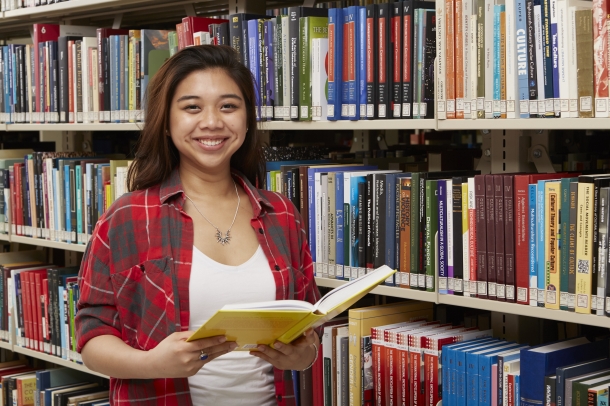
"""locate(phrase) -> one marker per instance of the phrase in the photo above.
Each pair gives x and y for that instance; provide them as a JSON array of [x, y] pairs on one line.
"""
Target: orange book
[[459, 60], [404, 266], [450, 58], [503, 64]]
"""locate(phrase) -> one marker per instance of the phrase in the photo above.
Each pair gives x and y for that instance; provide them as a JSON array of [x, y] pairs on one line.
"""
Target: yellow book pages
[[251, 324], [114, 163], [552, 191], [108, 191], [584, 252]]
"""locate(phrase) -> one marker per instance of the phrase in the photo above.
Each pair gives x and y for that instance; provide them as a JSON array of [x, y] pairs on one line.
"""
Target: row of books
[[38, 305], [8, 5], [411, 360], [522, 59], [23, 385], [534, 239], [57, 195]]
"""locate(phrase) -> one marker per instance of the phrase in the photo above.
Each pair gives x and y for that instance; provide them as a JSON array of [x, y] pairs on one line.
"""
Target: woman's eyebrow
[[223, 96]]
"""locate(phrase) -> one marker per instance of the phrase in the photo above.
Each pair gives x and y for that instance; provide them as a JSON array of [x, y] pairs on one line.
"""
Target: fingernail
[[261, 348], [277, 345], [222, 340]]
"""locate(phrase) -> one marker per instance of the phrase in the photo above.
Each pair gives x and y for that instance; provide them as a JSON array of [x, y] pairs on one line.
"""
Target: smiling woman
[[193, 235]]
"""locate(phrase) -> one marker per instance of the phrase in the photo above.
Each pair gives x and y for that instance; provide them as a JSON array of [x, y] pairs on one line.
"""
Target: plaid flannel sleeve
[[97, 313]]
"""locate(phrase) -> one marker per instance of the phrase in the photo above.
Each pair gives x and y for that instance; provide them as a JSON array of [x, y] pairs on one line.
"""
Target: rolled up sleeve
[[97, 312]]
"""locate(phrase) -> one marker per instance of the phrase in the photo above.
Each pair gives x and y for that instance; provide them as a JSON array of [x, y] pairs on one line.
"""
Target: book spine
[[522, 58], [371, 61], [415, 235], [481, 236], [426, 109], [572, 63], [491, 237], [405, 232], [361, 57], [335, 35], [396, 48], [552, 213], [547, 57], [407, 57], [509, 237], [533, 262], [339, 226], [500, 230], [564, 217], [78, 107], [304, 71], [350, 30], [531, 56], [602, 250], [540, 58], [584, 52], [443, 273], [432, 230], [541, 241], [369, 216], [481, 39], [502, 60], [563, 36], [465, 242], [384, 60], [450, 61], [295, 60], [389, 252]]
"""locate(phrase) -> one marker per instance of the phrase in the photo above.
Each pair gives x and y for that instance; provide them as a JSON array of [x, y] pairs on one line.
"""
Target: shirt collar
[[172, 186]]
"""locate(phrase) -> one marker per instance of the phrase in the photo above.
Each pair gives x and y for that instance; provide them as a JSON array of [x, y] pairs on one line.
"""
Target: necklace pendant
[[223, 239]]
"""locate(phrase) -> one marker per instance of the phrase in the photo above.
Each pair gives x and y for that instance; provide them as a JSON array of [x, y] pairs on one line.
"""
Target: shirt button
[[279, 398], [277, 267], [260, 230]]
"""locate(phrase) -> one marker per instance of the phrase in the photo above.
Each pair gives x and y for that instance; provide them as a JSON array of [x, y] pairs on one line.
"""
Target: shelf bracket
[[246, 6], [538, 152], [189, 10], [309, 3], [118, 19], [360, 141], [484, 165]]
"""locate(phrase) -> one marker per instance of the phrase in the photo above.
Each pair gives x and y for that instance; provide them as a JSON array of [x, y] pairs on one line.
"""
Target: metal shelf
[[384, 290], [75, 127], [55, 360], [69, 8], [523, 310], [427, 124], [46, 243], [6, 346], [5, 237], [526, 124]]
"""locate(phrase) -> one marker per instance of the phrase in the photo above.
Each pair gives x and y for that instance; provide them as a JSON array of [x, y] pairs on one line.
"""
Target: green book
[[580, 390], [564, 219], [115, 163], [310, 28], [431, 233]]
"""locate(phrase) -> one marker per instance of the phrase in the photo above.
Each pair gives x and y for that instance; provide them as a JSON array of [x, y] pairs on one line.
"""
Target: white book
[[512, 91], [510, 368], [342, 336], [28, 87], [466, 27], [600, 58], [319, 78], [441, 96], [50, 201], [563, 36], [72, 116], [539, 59], [318, 222], [286, 66], [324, 224], [473, 65], [87, 44], [489, 58], [95, 104]]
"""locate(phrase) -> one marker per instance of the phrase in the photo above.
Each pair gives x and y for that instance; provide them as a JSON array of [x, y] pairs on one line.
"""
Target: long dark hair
[[156, 155]]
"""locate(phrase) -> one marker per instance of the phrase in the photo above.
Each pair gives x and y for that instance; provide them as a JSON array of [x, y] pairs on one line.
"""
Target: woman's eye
[[229, 106], [192, 107]]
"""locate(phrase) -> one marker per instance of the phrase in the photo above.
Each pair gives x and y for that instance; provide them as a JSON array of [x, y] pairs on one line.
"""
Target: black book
[[25, 198], [223, 34], [384, 62], [429, 42], [379, 224], [238, 33], [294, 14], [53, 82], [531, 54], [23, 89], [14, 49], [72, 238], [371, 62]]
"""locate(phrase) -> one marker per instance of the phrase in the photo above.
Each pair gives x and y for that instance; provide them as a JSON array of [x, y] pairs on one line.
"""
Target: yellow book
[[584, 244], [26, 389], [114, 163], [108, 190], [552, 191], [251, 324]]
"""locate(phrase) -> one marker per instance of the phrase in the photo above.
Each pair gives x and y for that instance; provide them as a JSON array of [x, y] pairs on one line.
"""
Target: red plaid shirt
[[138, 262]]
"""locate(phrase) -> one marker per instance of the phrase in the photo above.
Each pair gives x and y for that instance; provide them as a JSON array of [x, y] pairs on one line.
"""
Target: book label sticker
[[429, 282], [406, 109], [442, 283], [510, 106], [421, 282], [458, 285], [563, 299], [571, 301], [501, 291], [582, 300], [482, 288], [510, 292], [551, 297], [524, 106], [451, 283], [585, 103], [540, 296], [492, 289], [467, 108]]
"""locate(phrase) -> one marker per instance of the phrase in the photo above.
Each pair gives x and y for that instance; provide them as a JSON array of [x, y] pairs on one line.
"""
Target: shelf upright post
[[247, 6], [505, 151], [360, 142]]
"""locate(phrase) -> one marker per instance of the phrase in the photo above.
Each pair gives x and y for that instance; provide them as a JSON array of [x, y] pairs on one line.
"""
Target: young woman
[[193, 235]]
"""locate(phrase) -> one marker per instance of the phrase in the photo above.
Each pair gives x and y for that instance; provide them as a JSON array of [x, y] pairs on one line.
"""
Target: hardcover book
[[266, 322]]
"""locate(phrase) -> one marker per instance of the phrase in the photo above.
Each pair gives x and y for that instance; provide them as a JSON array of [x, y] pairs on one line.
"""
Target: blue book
[[296, 388], [253, 47], [355, 215], [502, 359], [5, 79], [441, 186], [533, 257], [522, 61], [361, 64], [471, 370], [335, 63], [269, 69], [339, 226], [496, 61], [463, 389], [277, 165], [353, 94], [570, 371], [55, 213], [540, 361], [485, 378], [449, 377], [115, 78], [517, 386], [50, 378], [12, 80]]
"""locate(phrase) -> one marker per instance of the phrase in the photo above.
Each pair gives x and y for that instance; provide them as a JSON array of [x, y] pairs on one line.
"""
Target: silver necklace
[[219, 236]]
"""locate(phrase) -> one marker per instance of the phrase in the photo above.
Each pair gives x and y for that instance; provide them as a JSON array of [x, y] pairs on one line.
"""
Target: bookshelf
[[85, 9]]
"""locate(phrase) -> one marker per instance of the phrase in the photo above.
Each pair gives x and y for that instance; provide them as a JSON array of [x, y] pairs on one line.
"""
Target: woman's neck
[[197, 184]]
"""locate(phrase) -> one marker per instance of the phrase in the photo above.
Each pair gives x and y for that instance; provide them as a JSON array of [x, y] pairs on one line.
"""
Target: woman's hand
[[174, 357], [297, 355]]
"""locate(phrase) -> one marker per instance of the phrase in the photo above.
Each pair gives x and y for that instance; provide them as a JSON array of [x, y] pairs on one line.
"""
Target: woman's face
[[207, 120]]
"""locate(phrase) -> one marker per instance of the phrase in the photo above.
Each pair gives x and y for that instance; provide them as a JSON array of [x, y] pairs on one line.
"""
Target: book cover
[[155, 51], [286, 320], [371, 61], [500, 240], [384, 60], [551, 247], [509, 241], [335, 62], [585, 58]]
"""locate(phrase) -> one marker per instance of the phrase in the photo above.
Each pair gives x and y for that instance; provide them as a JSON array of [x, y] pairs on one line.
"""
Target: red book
[[384, 59], [192, 25], [38, 277], [396, 48], [180, 35], [521, 218], [25, 306], [509, 237], [42, 33], [511, 390], [490, 215], [499, 225], [481, 235]]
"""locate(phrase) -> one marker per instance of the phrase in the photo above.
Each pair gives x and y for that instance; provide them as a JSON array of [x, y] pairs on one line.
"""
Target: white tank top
[[237, 378]]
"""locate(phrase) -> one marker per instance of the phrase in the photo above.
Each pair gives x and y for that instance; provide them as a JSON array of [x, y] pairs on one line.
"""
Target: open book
[[251, 324]]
